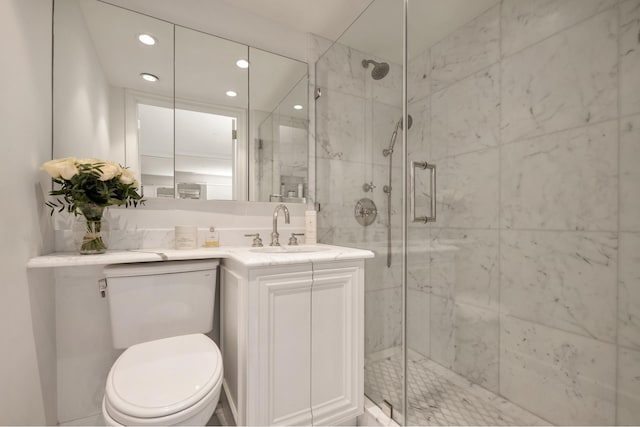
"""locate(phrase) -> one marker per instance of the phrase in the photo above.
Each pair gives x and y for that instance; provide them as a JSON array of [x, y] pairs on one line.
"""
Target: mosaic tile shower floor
[[437, 396]]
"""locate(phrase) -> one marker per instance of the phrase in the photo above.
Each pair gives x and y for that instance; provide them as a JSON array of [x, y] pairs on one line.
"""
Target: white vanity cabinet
[[292, 339]]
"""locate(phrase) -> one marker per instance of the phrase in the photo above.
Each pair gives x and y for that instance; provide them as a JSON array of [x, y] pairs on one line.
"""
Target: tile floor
[[437, 396]]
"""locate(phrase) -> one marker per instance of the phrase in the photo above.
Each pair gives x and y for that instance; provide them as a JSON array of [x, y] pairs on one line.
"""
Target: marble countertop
[[250, 257]]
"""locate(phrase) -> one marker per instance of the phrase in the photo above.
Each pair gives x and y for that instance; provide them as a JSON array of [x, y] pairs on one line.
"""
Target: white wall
[[81, 122], [27, 358]]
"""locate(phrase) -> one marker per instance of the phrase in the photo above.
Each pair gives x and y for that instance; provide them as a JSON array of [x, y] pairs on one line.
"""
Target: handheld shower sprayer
[[399, 125]]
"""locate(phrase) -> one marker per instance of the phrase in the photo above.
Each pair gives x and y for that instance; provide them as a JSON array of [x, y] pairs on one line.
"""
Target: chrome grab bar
[[412, 190]]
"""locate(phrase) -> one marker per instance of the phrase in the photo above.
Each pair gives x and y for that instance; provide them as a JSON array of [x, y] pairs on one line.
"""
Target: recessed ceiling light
[[147, 39], [242, 63], [231, 93], [298, 107], [149, 77]]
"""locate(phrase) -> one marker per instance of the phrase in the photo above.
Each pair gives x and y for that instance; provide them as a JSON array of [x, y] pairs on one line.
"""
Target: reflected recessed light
[[231, 93], [147, 39], [149, 77], [242, 63], [298, 107]]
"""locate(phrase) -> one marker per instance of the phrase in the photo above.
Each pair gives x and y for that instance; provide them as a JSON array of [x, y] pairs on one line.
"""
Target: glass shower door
[[358, 166]]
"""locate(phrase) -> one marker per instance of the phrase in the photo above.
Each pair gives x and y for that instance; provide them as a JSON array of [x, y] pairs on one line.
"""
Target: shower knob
[[368, 186]]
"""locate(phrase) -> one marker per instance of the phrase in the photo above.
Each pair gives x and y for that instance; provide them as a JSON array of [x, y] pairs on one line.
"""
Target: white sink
[[289, 249]]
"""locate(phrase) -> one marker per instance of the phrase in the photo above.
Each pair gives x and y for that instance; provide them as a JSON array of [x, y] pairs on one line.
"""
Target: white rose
[[61, 168], [89, 161], [109, 171], [127, 177]]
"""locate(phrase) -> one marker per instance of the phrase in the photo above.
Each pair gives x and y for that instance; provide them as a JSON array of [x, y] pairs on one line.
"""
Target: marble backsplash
[[152, 226]]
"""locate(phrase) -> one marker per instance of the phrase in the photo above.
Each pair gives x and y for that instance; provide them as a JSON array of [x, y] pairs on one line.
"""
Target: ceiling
[[378, 31], [327, 18]]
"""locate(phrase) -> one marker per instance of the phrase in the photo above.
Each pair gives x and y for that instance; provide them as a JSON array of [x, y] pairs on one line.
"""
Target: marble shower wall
[[355, 117], [532, 111], [529, 283]]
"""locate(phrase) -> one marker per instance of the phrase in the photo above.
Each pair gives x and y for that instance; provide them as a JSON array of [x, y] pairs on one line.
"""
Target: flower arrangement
[[87, 187]]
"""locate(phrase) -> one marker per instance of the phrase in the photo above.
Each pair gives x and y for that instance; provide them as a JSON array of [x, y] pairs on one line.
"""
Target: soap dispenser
[[213, 238]]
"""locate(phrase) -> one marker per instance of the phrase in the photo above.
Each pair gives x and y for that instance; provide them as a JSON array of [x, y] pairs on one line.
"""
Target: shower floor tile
[[438, 396]]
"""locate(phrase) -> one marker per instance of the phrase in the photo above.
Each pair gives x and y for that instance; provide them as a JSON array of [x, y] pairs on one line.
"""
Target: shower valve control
[[368, 186], [365, 212]]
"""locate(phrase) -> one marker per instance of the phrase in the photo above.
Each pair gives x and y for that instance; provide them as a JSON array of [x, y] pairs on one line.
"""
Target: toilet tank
[[153, 300]]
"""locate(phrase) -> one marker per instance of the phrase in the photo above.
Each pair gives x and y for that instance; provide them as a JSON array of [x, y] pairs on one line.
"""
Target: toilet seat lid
[[162, 377]]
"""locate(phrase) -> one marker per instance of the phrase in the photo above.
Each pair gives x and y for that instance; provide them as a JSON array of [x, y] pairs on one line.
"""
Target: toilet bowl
[[170, 381]]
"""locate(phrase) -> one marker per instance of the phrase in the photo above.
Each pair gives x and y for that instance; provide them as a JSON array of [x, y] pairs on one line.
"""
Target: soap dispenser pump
[[213, 238]]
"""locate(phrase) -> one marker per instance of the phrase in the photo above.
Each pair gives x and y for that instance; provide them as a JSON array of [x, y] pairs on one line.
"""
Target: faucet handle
[[257, 241], [293, 241]]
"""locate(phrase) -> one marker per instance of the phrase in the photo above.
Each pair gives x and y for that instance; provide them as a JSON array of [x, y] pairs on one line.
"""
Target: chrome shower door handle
[[412, 190]]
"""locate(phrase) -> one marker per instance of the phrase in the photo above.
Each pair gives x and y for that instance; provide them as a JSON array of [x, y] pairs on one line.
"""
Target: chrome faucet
[[274, 233]]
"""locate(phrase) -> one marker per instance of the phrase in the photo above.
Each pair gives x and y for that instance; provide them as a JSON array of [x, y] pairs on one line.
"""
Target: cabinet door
[[284, 345], [337, 331]]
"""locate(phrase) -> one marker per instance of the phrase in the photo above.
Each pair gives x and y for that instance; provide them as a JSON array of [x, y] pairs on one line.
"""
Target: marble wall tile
[[466, 115], [383, 122], [419, 77], [467, 190], [629, 291], [383, 319], [565, 81], [630, 174], [525, 22], [341, 126], [418, 266], [563, 280], [471, 48], [629, 57], [419, 135], [340, 69], [469, 272], [566, 180], [443, 350], [387, 90], [379, 175], [628, 411], [568, 379], [418, 316], [465, 339], [337, 174], [477, 343]]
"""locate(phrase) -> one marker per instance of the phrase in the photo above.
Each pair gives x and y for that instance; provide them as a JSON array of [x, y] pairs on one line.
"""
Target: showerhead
[[380, 69]]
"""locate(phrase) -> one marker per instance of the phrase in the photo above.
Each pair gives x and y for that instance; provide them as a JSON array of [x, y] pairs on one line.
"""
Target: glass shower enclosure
[[495, 144]]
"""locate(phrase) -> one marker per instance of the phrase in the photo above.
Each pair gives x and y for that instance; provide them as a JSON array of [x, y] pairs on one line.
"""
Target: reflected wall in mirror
[[279, 88], [188, 134], [210, 117]]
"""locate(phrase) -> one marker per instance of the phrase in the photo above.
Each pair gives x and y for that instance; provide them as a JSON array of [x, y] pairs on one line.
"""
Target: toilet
[[170, 373]]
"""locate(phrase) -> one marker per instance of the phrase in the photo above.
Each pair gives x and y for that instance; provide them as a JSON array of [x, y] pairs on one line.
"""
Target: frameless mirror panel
[[211, 101], [104, 108], [103, 100], [279, 149]]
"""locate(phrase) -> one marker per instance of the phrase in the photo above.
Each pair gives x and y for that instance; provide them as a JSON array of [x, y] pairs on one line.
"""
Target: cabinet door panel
[[337, 349], [284, 348]]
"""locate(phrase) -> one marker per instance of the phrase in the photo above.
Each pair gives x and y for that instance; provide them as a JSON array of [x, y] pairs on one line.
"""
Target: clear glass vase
[[91, 231]]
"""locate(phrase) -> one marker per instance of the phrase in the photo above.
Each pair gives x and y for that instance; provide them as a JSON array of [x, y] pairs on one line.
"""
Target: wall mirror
[[194, 115]]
